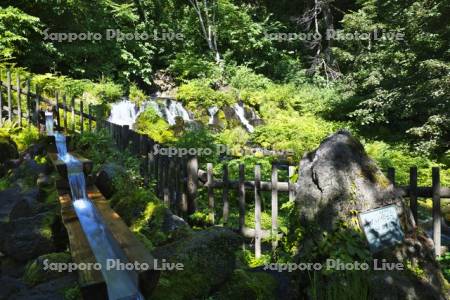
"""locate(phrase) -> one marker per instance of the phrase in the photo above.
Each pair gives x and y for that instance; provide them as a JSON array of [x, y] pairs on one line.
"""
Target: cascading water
[[124, 113], [240, 112], [121, 284], [175, 109], [212, 111], [49, 122]]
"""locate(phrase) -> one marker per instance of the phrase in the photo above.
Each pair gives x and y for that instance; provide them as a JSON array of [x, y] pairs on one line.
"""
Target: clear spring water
[[49, 122], [121, 284]]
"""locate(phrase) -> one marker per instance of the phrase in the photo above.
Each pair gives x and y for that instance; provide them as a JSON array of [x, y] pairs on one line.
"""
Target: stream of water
[[121, 284]]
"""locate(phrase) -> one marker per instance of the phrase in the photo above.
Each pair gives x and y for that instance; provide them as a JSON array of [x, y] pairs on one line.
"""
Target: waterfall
[[240, 112], [121, 284], [212, 111], [49, 122], [124, 113], [175, 109]]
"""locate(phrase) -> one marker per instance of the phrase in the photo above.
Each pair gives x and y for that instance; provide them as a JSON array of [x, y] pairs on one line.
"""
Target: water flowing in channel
[[121, 284]]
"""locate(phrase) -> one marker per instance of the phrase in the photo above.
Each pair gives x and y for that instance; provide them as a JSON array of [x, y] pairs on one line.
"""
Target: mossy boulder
[[37, 271], [158, 226], [8, 149], [337, 181], [208, 259], [248, 285], [27, 238]]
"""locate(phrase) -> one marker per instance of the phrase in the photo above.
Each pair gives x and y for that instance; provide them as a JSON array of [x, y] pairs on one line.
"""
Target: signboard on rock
[[381, 227]]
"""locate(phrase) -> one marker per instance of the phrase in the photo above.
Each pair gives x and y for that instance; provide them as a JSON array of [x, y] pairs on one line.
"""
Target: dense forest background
[[394, 90], [384, 75]]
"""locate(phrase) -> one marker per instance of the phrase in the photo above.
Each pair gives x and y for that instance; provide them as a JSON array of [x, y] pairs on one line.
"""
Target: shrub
[[199, 94], [151, 124]]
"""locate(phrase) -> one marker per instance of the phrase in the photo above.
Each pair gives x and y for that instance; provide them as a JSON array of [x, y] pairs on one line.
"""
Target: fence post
[[274, 206], [1, 99], [28, 101], [210, 183], [226, 205], [391, 176], [81, 116], [125, 136], [165, 181], [184, 195], [145, 161], [241, 191], [8, 82], [192, 183], [413, 193], [90, 116], [65, 112], [19, 104], [291, 186], [37, 107], [436, 210], [72, 104], [58, 119], [257, 211]]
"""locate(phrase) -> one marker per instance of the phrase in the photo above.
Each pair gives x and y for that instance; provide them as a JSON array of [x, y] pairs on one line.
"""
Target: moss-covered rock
[[208, 259], [158, 225], [8, 149], [36, 272], [248, 285]]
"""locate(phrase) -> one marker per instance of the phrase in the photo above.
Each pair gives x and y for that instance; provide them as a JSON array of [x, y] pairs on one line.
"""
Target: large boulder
[[105, 176], [338, 181], [27, 238], [13, 205], [8, 149], [208, 259]]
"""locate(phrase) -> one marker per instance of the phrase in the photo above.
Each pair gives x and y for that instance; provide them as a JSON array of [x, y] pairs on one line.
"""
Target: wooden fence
[[178, 179]]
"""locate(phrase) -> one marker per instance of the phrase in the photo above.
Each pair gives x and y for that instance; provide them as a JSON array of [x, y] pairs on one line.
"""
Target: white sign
[[382, 227]]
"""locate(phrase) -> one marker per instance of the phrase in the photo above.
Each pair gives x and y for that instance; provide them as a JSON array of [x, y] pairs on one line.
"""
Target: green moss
[[148, 226], [72, 293], [35, 273], [248, 285]]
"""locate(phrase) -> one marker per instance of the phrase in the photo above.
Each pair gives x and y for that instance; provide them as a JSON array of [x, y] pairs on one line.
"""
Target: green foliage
[[444, 261], [152, 125], [72, 293], [35, 273], [248, 285], [244, 78], [200, 138], [26, 137], [187, 66], [198, 94], [400, 158], [295, 133], [351, 285], [137, 95], [18, 31]]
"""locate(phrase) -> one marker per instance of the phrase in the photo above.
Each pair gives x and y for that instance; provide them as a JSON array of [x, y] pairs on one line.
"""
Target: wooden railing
[[177, 180]]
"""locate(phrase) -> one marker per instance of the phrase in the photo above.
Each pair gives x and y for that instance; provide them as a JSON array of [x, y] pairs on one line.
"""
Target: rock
[[172, 223], [104, 179], [10, 286], [339, 177], [8, 149], [13, 205], [336, 182], [208, 259], [35, 272], [43, 181], [54, 289], [252, 284], [27, 238], [28, 172]]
